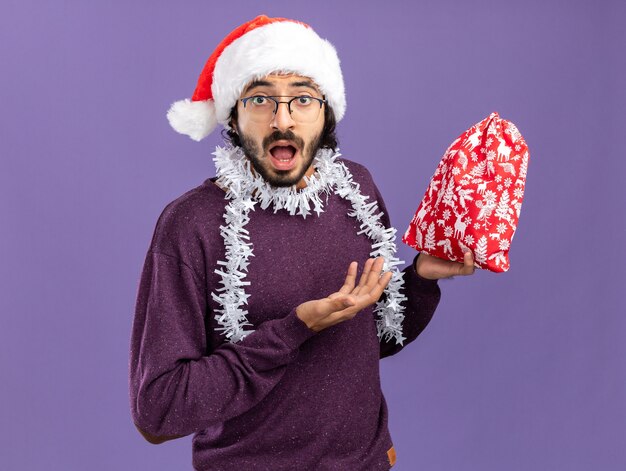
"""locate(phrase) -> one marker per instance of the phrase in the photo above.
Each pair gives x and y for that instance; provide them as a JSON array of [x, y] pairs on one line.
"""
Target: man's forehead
[[277, 79]]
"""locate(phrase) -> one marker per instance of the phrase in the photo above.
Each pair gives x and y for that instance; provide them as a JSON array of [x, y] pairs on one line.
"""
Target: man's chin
[[282, 178]]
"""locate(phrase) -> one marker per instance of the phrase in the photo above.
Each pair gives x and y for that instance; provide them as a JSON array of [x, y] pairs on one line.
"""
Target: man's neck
[[302, 183]]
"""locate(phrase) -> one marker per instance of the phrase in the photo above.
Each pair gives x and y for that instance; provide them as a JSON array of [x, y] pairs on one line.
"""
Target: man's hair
[[328, 139]]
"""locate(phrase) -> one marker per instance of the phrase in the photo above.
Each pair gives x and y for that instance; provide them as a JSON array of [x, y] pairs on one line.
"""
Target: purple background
[[517, 371]]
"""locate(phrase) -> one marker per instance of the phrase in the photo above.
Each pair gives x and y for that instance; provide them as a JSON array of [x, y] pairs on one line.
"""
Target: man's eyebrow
[[304, 83], [265, 83], [257, 83]]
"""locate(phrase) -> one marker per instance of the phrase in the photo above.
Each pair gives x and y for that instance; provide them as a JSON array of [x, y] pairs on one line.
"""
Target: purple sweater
[[284, 397]]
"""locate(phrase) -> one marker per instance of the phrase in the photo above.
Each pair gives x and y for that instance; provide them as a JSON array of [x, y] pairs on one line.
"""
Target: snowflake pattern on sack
[[475, 197]]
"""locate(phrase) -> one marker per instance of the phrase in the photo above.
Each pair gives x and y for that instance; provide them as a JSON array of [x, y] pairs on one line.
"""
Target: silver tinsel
[[244, 189]]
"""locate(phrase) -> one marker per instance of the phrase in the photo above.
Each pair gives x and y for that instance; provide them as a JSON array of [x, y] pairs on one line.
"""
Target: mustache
[[278, 135]]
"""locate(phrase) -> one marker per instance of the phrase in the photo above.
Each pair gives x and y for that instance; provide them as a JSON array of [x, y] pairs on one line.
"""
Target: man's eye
[[259, 100], [305, 100]]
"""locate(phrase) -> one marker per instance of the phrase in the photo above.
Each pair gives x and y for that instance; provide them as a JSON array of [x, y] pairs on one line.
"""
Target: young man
[[254, 330]]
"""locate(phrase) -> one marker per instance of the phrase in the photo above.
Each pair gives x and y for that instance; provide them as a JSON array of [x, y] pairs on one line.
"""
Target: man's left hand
[[434, 268]]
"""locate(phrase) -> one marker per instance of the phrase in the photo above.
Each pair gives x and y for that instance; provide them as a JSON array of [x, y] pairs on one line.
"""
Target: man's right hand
[[350, 299]]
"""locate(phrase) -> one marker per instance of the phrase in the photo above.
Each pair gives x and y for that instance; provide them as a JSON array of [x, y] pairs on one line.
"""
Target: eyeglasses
[[262, 108]]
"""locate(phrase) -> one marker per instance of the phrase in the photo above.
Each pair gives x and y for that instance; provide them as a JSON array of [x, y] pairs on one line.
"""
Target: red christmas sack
[[474, 198]]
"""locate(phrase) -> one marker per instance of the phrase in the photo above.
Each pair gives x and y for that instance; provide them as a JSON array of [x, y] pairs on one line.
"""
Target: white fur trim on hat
[[277, 47], [195, 119]]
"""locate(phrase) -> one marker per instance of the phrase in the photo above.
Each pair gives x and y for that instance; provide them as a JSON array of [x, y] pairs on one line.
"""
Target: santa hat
[[252, 51]]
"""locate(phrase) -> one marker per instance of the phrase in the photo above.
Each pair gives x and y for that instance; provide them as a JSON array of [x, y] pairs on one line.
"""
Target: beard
[[262, 166]]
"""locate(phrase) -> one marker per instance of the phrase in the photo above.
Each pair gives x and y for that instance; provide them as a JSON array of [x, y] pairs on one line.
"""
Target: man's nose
[[282, 119]]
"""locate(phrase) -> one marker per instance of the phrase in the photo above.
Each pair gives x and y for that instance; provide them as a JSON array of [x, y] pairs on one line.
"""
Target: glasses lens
[[260, 109], [305, 109]]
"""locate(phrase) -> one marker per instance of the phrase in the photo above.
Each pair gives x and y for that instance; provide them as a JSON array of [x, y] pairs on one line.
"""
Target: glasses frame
[[321, 101]]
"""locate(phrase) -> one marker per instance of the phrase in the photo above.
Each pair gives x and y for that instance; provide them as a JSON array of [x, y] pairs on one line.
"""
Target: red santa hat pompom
[[474, 199], [251, 51]]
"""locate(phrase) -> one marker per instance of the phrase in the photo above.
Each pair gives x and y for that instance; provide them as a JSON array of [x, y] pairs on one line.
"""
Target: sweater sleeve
[[422, 294], [177, 387]]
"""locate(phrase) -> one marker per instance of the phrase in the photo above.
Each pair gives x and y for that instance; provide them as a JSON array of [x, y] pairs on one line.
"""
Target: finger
[[365, 298], [468, 264], [366, 269], [374, 274], [348, 284], [381, 284]]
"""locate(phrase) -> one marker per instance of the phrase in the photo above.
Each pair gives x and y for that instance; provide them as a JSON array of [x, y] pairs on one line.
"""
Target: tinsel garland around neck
[[245, 189]]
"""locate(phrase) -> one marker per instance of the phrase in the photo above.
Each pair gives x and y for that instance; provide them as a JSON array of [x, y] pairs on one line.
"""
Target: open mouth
[[283, 155]]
